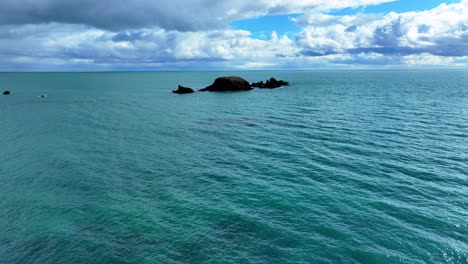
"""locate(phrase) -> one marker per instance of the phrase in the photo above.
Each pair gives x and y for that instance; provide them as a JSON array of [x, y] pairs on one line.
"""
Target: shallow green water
[[340, 167]]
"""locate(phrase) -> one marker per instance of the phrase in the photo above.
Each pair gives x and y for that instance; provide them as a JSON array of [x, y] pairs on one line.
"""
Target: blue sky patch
[[262, 27], [399, 6]]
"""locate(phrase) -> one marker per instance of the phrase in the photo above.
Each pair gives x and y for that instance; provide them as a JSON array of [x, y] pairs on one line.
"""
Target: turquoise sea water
[[340, 167]]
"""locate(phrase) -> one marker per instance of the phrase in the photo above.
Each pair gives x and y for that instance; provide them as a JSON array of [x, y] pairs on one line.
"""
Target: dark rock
[[228, 84], [183, 90], [6, 93], [257, 84], [273, 83], [270, 84]]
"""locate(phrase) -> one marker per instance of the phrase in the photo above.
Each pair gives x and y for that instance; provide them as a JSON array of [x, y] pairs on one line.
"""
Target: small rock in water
[[270, 84], [183, 90], [258, 84]]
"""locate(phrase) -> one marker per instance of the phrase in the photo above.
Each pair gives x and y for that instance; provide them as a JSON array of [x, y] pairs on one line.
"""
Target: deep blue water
[[340, 167]]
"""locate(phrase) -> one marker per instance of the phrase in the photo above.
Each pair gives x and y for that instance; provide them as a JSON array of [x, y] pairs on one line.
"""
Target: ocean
[[339, 167]]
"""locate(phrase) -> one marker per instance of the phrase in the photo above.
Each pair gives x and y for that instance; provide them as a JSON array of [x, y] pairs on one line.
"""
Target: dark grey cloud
[[181, 15], [114, 15]]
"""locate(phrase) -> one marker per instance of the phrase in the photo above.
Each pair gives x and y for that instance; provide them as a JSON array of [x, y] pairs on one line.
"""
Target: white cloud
[[46, 42], [440, 31], [434, 37], [433, 60]]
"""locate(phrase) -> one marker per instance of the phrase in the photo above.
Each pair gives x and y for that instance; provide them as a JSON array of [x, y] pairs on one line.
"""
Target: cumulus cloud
[[83, 45], [434, 60], [84, 35], [442, 31]]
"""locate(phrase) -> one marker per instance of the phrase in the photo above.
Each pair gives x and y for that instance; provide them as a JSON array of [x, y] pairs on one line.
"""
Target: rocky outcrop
[[228, 84], [183, 90], [6, 93], [270, 84], [258, 84]]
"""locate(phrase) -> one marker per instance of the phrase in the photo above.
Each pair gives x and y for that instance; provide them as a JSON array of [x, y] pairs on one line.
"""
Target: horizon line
[[242, 70]]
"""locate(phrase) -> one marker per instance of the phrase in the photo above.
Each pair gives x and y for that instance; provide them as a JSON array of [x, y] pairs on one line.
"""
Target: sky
[[113, 35]]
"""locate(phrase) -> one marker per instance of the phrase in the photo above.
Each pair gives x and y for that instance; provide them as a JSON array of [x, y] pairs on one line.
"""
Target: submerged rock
[[270, 84], [6, 93], [228, 84], [183, 90]]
